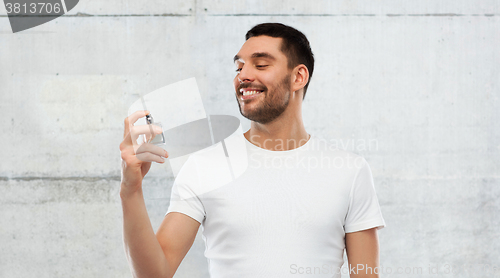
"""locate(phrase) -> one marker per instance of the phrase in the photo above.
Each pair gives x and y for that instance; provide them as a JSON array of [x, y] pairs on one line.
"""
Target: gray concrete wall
[[413, 86]]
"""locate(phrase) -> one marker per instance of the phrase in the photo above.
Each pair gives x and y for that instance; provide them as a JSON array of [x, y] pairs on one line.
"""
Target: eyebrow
[[257, 55]]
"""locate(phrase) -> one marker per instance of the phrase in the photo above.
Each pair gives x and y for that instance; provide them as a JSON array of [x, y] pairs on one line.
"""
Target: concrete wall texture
[[414, 86]]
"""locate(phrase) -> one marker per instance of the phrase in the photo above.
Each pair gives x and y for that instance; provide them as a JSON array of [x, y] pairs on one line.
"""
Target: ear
[[300, 76]]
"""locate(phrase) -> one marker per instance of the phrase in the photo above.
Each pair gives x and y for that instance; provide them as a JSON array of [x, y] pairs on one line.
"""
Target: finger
[[153, 149], [149, 157], [132, 118], [136, 131], [148, 137]]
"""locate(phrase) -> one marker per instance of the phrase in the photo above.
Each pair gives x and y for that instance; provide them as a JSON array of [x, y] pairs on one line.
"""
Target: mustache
[[250, 85]]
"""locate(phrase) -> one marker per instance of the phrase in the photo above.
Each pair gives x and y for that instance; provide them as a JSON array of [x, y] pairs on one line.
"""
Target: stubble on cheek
[[268, 106]]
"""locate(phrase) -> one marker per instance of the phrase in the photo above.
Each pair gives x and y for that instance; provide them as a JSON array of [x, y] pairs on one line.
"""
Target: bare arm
[[363, 253], [146, 256], [143, 251], [176, 235], [151, 255]]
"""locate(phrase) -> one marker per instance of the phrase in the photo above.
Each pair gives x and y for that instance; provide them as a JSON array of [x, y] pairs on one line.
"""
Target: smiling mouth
[[249, 93]]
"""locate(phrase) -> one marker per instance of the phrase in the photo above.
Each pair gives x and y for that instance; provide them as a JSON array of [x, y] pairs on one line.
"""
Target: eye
[[238, 70], [261, 66]]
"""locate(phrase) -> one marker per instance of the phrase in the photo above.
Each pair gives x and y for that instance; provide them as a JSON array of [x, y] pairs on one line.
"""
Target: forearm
[[144, 253]]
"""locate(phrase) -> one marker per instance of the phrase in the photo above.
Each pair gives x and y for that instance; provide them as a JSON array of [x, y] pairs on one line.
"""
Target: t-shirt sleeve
[[183, 198], [364, 209]]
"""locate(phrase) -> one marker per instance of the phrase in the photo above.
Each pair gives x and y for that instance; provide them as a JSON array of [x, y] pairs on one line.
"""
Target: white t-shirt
[[287, 214]]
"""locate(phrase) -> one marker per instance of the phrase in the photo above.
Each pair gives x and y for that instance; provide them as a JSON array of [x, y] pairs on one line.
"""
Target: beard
[[271, 106]]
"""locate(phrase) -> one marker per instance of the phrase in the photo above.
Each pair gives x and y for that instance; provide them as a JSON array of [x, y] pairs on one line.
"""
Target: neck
[[286, 132]]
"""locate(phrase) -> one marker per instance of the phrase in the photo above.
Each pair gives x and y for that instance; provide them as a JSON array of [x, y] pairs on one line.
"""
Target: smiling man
[[295, 210], [271, 70]]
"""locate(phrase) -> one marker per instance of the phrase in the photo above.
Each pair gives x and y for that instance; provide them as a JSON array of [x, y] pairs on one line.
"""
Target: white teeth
[[249, 93]]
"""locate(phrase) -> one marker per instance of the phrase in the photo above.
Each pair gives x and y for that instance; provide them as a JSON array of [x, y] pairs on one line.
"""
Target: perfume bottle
[[157, 139]]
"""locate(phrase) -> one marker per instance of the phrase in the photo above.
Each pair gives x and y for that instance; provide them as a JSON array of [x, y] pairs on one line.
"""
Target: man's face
[[262, 83]]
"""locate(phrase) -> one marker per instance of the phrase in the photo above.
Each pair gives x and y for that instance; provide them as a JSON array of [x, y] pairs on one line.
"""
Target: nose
[[245, 75]]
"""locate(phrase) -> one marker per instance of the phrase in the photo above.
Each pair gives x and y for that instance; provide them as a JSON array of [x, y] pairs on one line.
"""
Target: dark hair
[[295, 45]]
